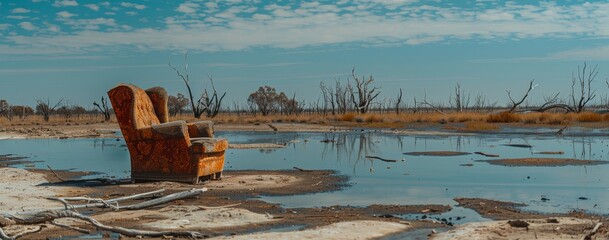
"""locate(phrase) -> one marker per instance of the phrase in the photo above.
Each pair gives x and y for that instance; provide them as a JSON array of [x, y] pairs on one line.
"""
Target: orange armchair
[[162, 150]]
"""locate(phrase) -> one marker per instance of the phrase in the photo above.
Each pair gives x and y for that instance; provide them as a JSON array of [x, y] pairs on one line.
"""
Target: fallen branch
[[54, 173], [77, 229], [382, 159], [165, 199], [3, 235], [51, 215], [95, 201], [486, 155], [593, 232]]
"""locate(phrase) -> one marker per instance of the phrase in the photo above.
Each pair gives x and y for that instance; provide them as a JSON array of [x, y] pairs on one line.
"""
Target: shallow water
[[416, 180]]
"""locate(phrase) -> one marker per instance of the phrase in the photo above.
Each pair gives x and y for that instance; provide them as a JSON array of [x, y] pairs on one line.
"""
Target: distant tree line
[[356, 94], [46, 109]]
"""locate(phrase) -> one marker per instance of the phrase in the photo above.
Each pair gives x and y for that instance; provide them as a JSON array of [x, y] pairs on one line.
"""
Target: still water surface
[[410, 180]]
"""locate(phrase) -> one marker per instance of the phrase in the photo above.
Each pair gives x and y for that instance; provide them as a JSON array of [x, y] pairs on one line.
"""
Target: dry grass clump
[[503, 117], [589, 117], [370, 118], [347, 117], [544, 118]]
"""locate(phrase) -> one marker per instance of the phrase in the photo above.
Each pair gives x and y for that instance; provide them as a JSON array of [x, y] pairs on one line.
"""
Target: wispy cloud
[[20, 10], [65, 3], [235, 26], [248, 65], [93, 7], [187, 8], [65, 14], [77, 69], [133, 5]]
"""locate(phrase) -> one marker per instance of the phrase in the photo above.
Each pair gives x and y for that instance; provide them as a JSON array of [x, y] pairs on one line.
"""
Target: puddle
[[415, 180]]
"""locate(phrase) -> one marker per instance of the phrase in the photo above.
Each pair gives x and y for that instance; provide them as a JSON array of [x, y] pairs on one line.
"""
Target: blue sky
[[77, 49]]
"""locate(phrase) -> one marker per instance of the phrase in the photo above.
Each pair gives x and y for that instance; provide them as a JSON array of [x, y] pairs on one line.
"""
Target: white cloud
[[4, 26], [92, 7], [27, 26], [65, 14], [133, 5], [187, 8], [65, 3], [20, 10]]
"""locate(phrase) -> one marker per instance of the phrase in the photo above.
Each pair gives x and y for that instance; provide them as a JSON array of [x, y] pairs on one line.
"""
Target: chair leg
[[217, 176]]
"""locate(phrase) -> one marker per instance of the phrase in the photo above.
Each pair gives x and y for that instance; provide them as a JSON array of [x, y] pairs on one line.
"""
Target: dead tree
[[328, 95], [553, 103], [103, 108], [45, 109], [526, 94], [6, 110], [398, 101], [583, 79], [211, 104], [461, 101], [364, 95], [341, 96], [437, 109], [197, 106]]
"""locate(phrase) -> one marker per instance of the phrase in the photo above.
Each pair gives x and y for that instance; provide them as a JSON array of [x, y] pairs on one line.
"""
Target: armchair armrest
[[170, 130], [201, 129], [209, 145]]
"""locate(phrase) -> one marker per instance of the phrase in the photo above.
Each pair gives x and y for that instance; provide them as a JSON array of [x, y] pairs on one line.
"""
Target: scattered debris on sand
[[561, 228]]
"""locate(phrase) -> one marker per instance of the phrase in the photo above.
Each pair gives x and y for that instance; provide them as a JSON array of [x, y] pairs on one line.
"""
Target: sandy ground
[[18, 191], [228, 207], [341, 230]]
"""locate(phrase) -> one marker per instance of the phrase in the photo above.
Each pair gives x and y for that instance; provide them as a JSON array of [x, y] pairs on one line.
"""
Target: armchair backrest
[[134, 108]]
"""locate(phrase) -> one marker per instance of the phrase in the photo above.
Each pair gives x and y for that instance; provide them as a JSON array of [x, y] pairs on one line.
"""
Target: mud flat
[[542, 162]]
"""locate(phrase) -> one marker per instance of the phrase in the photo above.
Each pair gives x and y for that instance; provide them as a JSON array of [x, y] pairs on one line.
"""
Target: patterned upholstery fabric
[[162, 150]]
